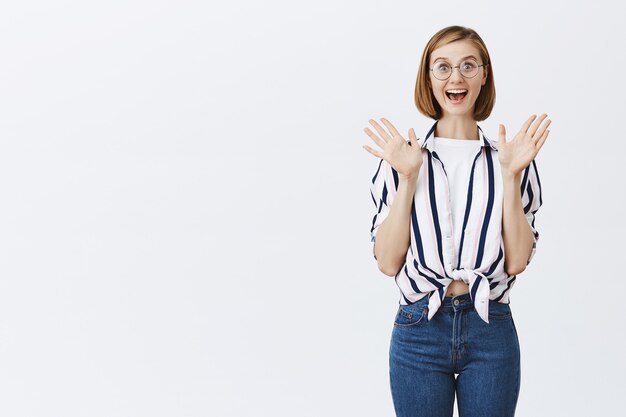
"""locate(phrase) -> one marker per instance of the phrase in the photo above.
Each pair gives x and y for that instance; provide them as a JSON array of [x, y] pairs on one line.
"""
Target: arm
[[393, 189], [518, 210], [517, 234], [393, 235]]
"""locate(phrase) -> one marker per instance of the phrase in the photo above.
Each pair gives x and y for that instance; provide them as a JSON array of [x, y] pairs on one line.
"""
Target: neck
[[457, 128]]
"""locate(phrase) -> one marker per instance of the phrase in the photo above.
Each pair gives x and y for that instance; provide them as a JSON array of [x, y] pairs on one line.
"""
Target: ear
[[485, 75]]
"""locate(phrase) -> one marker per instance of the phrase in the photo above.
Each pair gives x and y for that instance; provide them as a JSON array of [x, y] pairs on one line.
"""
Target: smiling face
[[467, 89]]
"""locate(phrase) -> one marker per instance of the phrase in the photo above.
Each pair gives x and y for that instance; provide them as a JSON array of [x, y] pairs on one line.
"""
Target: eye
[[469, 65], [441, 67]]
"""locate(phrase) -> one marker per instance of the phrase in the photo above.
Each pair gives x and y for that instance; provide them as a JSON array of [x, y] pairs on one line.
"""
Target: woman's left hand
[[515, 155]]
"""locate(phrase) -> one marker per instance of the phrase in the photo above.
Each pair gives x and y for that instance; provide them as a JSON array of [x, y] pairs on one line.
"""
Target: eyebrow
[[465, 57]]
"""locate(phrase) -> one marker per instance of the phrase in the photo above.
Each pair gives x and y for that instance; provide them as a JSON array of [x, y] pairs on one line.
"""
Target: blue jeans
[[425, 355]]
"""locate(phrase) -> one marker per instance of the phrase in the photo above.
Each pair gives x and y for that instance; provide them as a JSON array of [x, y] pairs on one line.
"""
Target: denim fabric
[[454, 352]]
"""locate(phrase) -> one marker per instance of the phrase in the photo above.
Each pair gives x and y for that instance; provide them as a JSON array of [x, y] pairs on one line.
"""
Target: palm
[[401, 155], [517, 154]]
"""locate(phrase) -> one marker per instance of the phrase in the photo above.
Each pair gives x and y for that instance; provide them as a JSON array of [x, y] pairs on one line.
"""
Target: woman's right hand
[[404, 158]]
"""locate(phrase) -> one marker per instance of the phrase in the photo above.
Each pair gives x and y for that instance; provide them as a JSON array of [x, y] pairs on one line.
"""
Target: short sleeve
[[531, 200], [383, 190]]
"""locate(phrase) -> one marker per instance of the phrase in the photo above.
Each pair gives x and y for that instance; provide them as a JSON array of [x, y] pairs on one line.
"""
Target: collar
[[484, 140]]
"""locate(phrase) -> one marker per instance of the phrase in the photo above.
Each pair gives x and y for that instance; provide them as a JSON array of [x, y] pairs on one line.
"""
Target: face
[[451, 55]]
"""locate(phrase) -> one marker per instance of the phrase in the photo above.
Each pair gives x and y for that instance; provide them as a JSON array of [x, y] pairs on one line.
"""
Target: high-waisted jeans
[[425, 355]]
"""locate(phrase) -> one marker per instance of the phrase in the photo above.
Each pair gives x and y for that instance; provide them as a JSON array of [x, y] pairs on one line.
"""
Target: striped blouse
[[432, 261]]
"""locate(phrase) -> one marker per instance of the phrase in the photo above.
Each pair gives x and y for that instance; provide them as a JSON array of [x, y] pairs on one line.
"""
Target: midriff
[[457, 287]]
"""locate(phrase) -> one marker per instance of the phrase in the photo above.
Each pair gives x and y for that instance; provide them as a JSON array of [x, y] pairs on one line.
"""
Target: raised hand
[[404, 158], [515, 155]]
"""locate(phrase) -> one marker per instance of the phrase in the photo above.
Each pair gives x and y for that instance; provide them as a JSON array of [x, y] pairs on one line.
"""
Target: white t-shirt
[[457, 156]]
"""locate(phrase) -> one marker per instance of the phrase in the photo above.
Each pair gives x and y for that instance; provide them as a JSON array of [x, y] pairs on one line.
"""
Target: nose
[[456, 74]]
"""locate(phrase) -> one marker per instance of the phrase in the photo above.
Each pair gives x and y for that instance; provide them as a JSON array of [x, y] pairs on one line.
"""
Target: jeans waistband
[[457, 302]]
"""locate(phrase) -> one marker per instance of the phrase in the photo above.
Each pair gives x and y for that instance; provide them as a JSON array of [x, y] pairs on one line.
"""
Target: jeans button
[[456, 302]]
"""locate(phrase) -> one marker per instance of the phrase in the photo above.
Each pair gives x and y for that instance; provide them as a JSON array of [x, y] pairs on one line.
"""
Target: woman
[[454, 225]]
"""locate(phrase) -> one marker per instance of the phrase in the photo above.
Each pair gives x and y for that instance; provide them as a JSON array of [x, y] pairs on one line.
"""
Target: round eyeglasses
[[468, 69]]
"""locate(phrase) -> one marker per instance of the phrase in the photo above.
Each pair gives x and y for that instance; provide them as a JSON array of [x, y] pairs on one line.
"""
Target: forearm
[[393, 236], [517, 234]]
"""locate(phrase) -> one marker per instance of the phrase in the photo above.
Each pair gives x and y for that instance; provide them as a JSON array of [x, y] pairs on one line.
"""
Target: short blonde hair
[[425, 99]]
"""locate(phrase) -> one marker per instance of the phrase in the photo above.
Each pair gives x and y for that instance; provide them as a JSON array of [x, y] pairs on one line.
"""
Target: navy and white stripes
[[433, 261]]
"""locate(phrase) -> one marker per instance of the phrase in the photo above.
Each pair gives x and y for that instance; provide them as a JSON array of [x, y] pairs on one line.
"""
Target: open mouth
[[456, 96]]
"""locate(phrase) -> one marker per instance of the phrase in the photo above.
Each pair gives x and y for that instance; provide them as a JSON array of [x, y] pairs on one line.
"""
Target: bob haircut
[[425, 99]]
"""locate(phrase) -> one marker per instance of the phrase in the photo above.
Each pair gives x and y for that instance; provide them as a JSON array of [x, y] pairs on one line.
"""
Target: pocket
[[412, 315], [499, 311]]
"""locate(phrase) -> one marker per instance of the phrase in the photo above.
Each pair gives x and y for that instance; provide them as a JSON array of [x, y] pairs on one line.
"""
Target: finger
[[391, 127], [375, 138], [502, 134], [412, 138], [541, 131], [373, 152], [381, 131], [536, 124], [542, 139], [527, 123]]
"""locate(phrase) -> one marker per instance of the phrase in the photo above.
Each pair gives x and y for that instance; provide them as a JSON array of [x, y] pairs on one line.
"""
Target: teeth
[[456, 91]]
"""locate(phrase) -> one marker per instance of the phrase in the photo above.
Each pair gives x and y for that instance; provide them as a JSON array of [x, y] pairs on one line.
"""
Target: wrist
[[511, 176], [410, 178]]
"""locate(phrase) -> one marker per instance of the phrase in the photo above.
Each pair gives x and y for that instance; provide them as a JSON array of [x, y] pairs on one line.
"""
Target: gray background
[[184, 227]]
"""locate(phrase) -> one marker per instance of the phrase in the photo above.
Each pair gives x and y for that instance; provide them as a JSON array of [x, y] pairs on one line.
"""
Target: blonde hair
[[425, 99]]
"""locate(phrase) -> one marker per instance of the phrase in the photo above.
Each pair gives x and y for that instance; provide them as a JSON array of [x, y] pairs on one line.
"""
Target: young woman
[[454, 225]]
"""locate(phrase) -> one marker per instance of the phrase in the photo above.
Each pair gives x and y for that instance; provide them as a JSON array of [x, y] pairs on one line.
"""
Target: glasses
[[468, 69]]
